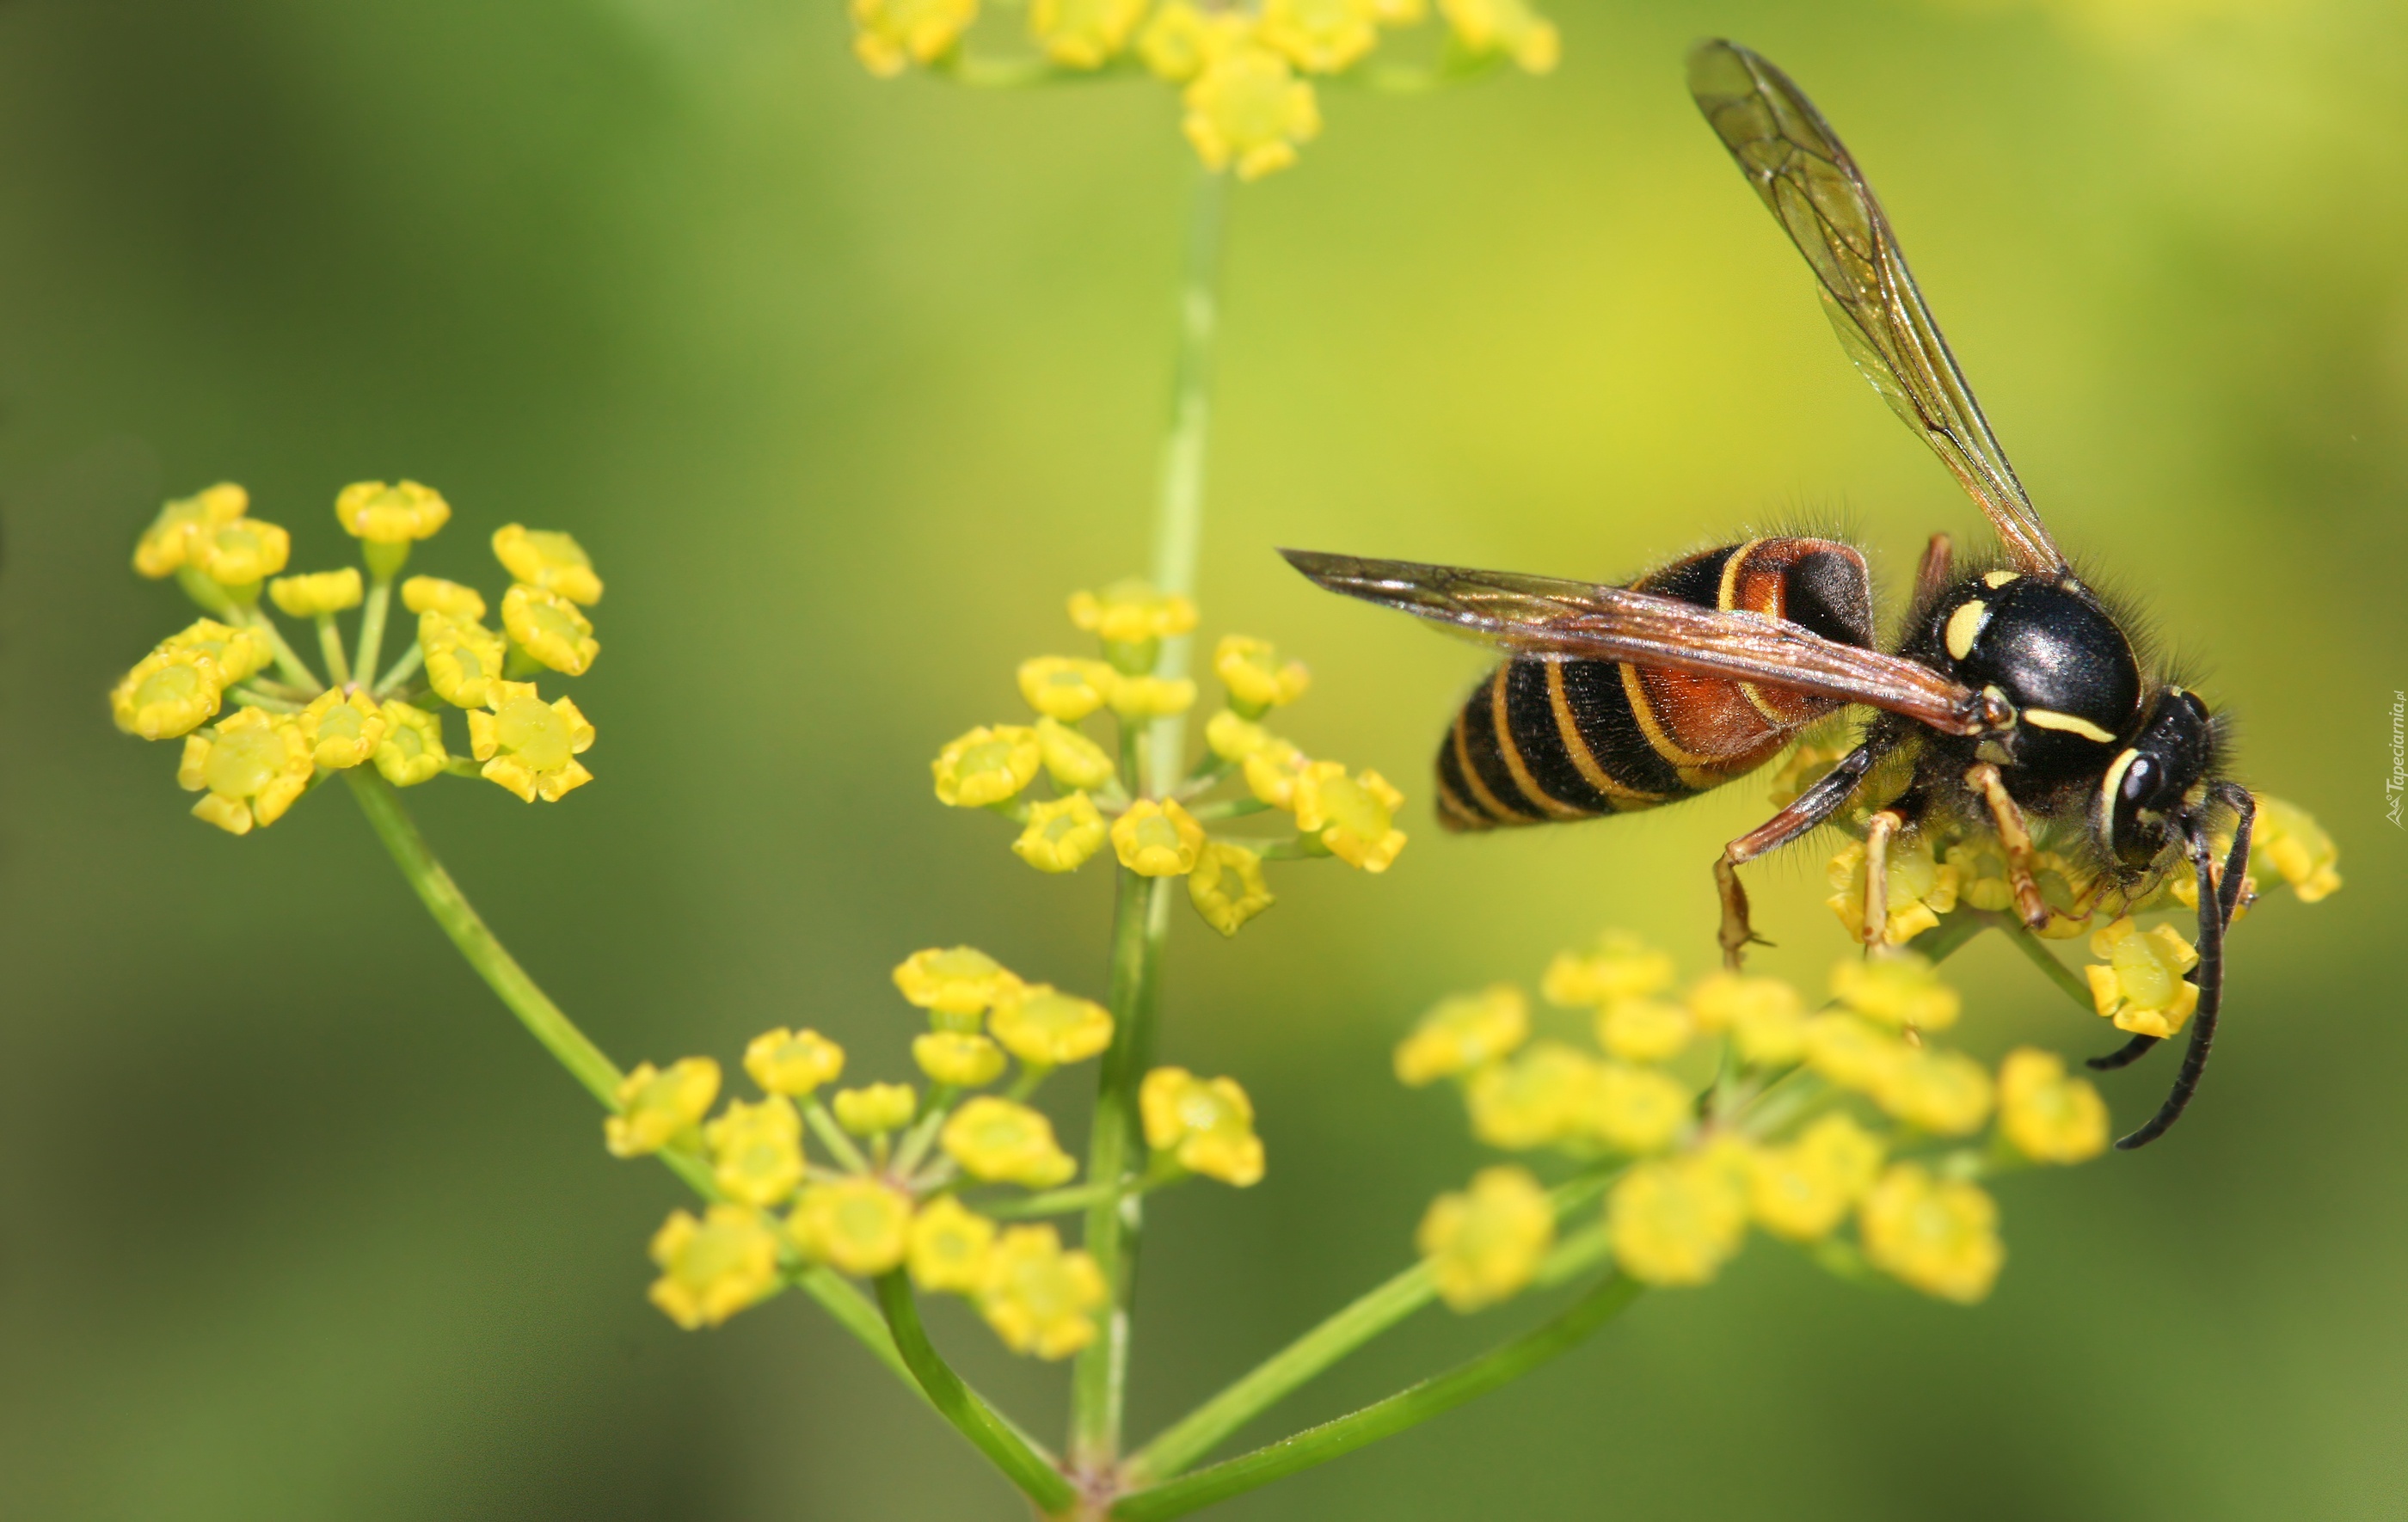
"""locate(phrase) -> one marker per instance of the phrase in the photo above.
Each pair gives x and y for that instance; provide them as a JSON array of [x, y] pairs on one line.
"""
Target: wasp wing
[[1540, 615], [1804, 173]]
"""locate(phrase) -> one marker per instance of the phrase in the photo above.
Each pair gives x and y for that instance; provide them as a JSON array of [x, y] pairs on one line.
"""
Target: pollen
[[1485, 1244], [713, 1267], [1227, 887], [1676, 1222], [1463, 1034], [1206, 1124], [657, 1105], [1004, 1142], [854, 1225], [1038, 1297]]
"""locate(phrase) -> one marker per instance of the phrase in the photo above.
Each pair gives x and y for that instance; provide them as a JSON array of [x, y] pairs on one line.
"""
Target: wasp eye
[[2140, 779]]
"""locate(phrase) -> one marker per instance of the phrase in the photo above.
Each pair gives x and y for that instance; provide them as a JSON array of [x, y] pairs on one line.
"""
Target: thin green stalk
[[401, 670], [1406, 1409], [295, 671], [1179, 521], [1098, 1381], [252, 698], [2019, 934], [330, 644], [1004, 1446], [372, 628]]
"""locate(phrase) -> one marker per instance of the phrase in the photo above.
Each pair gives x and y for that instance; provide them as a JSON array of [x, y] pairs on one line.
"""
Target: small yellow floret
[[2288, 839], [1982, 881], [1084, 33], [1151, 697], [434, 595], [1071, 759], [1485, 1244], [1900, 990], [1321, 37], [1851, 1053], [1764, 1017], [1943, 1092], [529, 746], [166, 546], [1802, 1191], [1227, 887], [1257, 680], [411, 751], [1638, 1110], [1246, 107], [890, 35], [1274, 768], [320, 592], [854, 1225], [1677, 1221], [552, 561], [342, 729], [1180, 39], [1131, 613], [253, 768], [1354, 817], [239, 652], [2050, 1117], [957, 980], [713, 1267], [168, 693], [756, 1150], [395, 514], [1941, 1238], [1046, 1028], [549, 627], [464, 658], [1464, 1033], [657, 1105], [1064, 688], [2141, 987], [1208, 1124], [1921, 888], [240, 553], [1643, 1029], [1061, 834], [1004, 1142], [1543, 1095], [1622, 967], [949, 1247], [792, 1062], [1507, 26], [1038, 1298], [874, 1107], [1157, 839], [958, 1058], [988, 765], [1232, 739]]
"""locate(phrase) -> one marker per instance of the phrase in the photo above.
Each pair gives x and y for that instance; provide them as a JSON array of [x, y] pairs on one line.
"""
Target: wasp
[[2011, 699]]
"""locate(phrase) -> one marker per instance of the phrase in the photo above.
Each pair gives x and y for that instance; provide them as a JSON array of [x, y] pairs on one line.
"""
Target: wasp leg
[[1931, 576], [1810, 809], [1879, 830], [2123, 1056], [2013, 839]]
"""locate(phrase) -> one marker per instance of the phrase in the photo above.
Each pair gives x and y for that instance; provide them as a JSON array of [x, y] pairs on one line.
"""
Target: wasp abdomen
[[1554, 738]]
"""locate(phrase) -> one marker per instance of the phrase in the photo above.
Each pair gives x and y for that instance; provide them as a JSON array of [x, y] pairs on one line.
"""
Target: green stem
[[1406, 1409], [372, 628], [831, 1135], [253, 698], [2020, 937], [402, 670], [291, 665], [330, 644], [1004, 1447], [1179, 520], [1140, 923]]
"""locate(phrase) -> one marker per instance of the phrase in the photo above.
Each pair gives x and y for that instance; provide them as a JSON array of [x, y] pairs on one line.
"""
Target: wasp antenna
[[2123, 1056], [2210, 973]]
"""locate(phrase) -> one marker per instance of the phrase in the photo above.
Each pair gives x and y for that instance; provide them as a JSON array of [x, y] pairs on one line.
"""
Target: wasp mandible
[[2011, 696]]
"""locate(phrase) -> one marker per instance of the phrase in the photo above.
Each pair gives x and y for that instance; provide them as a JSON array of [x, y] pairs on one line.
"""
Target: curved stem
[[1003, 1445], [372, 628]]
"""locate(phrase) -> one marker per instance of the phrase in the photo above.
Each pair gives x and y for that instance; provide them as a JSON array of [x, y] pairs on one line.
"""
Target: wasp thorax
[[2054, 655]]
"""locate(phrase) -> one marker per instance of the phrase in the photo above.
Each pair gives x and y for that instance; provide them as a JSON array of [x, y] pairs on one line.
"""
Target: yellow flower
[[411, 751], [986, 766], [1071, 759], [1084, 33], [434, 595], [1354, 816], [713, 1267], [1921, 889], [1485, 1245], [1851, 1053], [1037, 1297], [1622, 967], [240, 553], [1982, 882], [1207, 1123], [239, 652], [528, 746], [1045, 1027], [1899, 990], [1763, 1016], [1232, 739], [1274, 768], [343, 729], [794, 1062], [2287, 838], [168, 693], [1227, 887], [1944, 1093], [552, 561], [1063, 688], [253, 768], [958, 1058], [1643, 1029], [1801, 770], [1151, 697], [874, 1107], [1247, 106], [1321, 37], [891, 34], [1131, 613], [320, 592], [464, 658], [1802, 1191], [1941, 1238], [166, 545], [1675, 1222], [1464, 1033], [756, 1150], [548, 628], [1250, 669], [2141, 987], [395, 514], [657, 1105], [959, 980], [1061, 834], [1506, 26], [1542, 1096], [854, 1225], [949, 1247], [1637, 1110], [1004, 1142], [1157, 839], [1180, 39], [2050, 1118]]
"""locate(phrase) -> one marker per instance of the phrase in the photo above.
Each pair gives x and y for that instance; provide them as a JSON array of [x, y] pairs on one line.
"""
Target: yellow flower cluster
[[294, 725], [1244, 73], [1729, 1104], [1097, 796]]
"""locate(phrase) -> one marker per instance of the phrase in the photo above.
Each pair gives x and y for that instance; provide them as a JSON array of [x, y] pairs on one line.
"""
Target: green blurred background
[[845, 384]]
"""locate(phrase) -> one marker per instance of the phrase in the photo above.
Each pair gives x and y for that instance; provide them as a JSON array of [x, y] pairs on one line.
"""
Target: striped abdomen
[[1549, 738]]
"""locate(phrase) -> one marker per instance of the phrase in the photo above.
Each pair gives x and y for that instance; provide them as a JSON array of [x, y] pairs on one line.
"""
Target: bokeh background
[[846, 384]]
